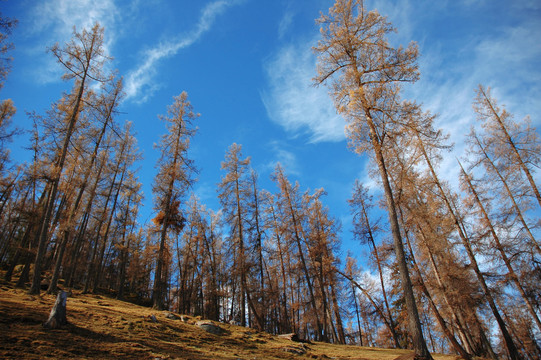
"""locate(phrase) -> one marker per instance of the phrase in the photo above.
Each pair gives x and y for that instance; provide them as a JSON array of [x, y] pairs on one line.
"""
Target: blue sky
[[247, 67]]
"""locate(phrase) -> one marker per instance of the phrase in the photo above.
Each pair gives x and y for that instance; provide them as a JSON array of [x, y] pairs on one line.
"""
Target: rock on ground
[[210, 327]]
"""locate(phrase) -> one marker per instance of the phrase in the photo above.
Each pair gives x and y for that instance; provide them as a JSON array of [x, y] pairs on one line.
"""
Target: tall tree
[[83, 59], [293, 207], [6, 28], [517, 142], [453, 210], [106, 105], [279, 251], [7, 108], [255, 231], [468, 182], [322, 242], [132, 198], [365, 231], [235, 189], [365, 73], [175, 176]]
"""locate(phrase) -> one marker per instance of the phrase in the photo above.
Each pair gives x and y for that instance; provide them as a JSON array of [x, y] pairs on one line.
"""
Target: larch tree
[[256, 240], [234, 194], [7, 108], [488, 224], [365, 74], [428, 224], [365, 231], [292, 207], [83, 59], [103, 112], [175, 176], [7, 111], [131, 201], [424, 146], [278, 249], [322, 242], [114, 178], [6, 28], [517, 142], [508, 186]]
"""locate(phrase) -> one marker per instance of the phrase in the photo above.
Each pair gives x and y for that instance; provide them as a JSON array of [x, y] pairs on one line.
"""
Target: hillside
[[104, 328]]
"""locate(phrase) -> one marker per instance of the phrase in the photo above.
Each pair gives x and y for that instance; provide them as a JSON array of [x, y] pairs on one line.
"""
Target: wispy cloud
[[281, 155], [503, 56], [285, 23], [141, 79], [55, 20], [293, 102], [60, 16]]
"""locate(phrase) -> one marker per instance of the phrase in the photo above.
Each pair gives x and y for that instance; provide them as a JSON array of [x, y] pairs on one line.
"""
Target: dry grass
[[104, 328]]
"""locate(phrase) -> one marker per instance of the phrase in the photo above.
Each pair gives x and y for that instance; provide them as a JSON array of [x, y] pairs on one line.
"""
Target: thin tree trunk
[[259, 244], [100, 261], [304, 266], [509, 193], [125, 247], [511, 348], [67, 232], [285, 284], [512, 145], [414, 322], [91, 269], [372, 301], [357, 315], [465, 336], [338, 317], [384, 293], [44, 232], [448, 334], [500, 249]]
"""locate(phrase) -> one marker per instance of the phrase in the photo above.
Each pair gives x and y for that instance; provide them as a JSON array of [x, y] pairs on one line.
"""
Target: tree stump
[[57, 318]]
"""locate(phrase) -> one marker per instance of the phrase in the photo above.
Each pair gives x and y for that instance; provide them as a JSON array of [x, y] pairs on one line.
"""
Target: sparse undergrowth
[[104, 328]]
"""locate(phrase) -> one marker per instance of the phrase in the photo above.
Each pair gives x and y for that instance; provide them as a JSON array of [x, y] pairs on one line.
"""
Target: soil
[[100, 327]]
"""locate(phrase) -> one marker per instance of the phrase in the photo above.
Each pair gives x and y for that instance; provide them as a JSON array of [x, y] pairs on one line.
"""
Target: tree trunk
[[100, 261], [91, 266], [67, 232], [44, 232], [304, 267], [511, 348], [509, 193], [448, 334], [384, 293], [499, 247], [511, 144], [363, 290], [357, 315], [414, 322]]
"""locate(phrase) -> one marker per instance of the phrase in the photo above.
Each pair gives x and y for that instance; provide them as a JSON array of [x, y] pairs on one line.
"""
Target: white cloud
[[503, 55], [287, 159], [293, 102], [63, 15], [285, 23], [55, 20], [142, 77]]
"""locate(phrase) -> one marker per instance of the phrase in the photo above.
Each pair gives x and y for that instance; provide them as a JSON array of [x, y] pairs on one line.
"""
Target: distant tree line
[[450, 269]]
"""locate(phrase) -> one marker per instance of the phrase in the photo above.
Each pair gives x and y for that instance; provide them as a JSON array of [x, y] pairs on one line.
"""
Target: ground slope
[[104, 328]]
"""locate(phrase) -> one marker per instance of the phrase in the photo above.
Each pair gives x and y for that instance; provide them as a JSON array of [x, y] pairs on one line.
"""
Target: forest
[[456, 270]]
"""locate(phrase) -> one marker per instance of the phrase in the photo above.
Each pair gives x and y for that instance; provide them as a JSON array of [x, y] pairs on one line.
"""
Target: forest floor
[[104, 328]]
